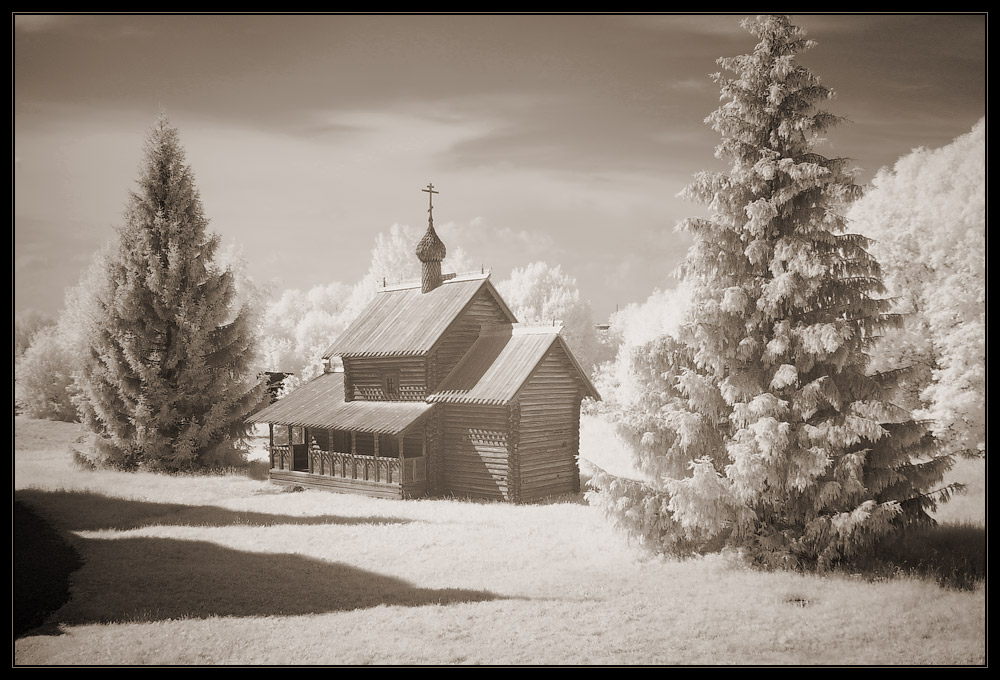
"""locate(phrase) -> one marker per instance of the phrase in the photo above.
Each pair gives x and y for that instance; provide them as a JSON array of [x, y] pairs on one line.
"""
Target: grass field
[[229, 569]]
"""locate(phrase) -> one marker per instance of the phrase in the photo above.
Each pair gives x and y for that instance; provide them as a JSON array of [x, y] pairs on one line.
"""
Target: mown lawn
[[233, 570]]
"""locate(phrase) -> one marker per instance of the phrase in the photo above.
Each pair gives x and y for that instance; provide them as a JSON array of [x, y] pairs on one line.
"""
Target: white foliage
[[538, 293], [786, 375], [701, 503], [927, 216]]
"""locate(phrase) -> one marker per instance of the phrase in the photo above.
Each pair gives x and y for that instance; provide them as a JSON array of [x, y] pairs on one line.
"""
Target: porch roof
[[320, 403]]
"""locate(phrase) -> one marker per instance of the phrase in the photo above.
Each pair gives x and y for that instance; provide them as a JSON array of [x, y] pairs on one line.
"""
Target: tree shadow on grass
[[43, 561], [953, 555], [153, 579], [88, 511]]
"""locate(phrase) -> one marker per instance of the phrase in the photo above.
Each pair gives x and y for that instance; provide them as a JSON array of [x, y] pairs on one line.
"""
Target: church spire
[[430, 249]]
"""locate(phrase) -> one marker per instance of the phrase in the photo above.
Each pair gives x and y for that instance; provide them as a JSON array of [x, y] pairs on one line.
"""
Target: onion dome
[[430, 248]]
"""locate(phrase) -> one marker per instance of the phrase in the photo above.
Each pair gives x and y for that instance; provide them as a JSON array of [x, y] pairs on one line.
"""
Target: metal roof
[[320, 403], [403, 321], [500, 362]]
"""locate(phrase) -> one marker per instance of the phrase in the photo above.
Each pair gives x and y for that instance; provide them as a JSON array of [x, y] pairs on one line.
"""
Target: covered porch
[[370, 448], [374, 464]]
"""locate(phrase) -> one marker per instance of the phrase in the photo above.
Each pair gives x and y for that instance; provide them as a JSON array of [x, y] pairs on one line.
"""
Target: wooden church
[[436, 389]]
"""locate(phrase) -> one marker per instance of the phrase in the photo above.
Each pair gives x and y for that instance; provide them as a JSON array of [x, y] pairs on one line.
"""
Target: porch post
[[309, 458], [402, 461], [354, 453], [270, 442], [291, 450], [377, 437], [423, 454]]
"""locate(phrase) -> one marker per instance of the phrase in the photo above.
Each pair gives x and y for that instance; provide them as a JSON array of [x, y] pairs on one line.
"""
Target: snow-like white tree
[[777, 438], [43, 376], [538, 293], [26, 325], [168, 376], [927, 219], [43, 367], [633, 386], [394, 261]]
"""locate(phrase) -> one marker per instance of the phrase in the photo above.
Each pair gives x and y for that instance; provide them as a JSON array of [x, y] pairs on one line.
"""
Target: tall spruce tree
[[167, 379], [790, 447]]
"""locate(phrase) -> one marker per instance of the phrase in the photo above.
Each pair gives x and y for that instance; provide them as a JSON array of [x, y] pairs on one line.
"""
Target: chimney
[[430, 250]]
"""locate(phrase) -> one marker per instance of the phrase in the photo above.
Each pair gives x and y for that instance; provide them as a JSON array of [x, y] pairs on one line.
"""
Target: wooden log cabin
[[436, 389]]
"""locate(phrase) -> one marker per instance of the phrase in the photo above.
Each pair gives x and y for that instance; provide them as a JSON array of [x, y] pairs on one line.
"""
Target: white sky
[[562, 138]]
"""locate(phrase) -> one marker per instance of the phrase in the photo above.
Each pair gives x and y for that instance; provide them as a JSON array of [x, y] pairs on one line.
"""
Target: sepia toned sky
[[562, 138]]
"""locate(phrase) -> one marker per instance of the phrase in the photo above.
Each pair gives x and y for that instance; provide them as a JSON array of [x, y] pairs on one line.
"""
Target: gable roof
[[320, 403], [403, 321], [500, 363]]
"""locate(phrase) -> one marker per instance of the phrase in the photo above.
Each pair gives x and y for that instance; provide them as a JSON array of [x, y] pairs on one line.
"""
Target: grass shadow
[[88, 511], [568, 498], [953, 555], [554, 499], [149, 579], [154, 579], [43, 561]]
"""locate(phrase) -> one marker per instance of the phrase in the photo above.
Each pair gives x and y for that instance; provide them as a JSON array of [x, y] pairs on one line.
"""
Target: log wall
[[473, 456], [464, 332], [366, 380], [548, 443]]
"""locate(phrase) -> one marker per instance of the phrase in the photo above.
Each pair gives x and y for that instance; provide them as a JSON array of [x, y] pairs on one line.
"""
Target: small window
[[390, 383]]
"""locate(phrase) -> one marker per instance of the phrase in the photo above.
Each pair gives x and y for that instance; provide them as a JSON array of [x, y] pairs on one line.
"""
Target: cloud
[[694, 85], [713, 26], [478, 236], [31, 261], [37, 23]]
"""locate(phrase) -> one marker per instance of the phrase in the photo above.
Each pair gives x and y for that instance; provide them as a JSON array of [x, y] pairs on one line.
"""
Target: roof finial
[[430, 202]]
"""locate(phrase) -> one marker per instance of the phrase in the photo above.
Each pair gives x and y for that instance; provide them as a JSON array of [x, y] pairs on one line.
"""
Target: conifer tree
[[790, 448], [167, 379]]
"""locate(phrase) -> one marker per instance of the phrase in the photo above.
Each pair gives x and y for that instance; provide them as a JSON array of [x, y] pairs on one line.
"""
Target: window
[[390, 384], [340, 440]]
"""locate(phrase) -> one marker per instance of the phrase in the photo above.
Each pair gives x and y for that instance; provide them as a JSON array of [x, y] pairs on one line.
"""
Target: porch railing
[[281, 457], [355, 466]]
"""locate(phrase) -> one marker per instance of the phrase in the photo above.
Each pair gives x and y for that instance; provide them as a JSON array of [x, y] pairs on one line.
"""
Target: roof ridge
[[446, 278], [521, 328]]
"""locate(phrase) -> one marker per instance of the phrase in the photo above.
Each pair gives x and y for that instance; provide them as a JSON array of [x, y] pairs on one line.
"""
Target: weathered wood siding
[[413, 445], [463, 333], [365, 378], [548, 439], [433, 451], [473, 452]]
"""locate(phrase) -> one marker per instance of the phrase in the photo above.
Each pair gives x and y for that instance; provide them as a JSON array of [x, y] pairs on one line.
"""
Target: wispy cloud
[[694, 85], [37, 23]]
